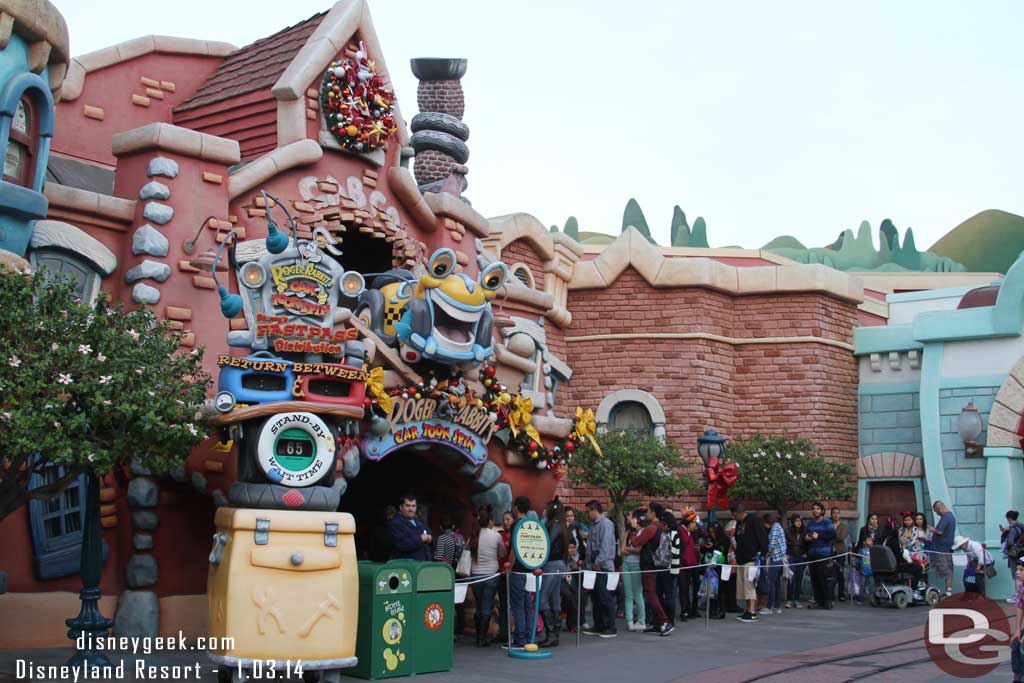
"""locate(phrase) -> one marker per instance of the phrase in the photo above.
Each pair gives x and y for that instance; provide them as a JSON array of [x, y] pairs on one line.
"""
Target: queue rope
[[695, 566]]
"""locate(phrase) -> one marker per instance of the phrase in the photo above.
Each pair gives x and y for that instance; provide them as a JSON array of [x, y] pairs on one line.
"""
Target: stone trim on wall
[[60, 235], [889, 466], [301, 153], [647, 400], [183, 141], [45, 32], [93, 203], [133, 49], [1005, 419], [735, 341], [633, 249]]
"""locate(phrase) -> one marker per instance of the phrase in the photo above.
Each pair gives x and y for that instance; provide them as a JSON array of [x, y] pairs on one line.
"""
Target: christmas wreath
[[356, 105], [510, 413]]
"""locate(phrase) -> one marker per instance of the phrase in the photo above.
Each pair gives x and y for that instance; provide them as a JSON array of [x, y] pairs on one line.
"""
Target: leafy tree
[[784, 471], [88, 388], [629, 465]]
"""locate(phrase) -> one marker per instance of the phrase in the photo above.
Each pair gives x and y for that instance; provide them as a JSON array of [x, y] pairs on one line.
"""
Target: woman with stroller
[[714, 547]]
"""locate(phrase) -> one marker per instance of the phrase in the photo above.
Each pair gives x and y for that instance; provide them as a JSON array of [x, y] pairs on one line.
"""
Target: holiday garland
[[511, 413], [356, 105]]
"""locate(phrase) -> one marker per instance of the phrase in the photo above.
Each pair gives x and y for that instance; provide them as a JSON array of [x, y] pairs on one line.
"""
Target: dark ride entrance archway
[[438, 476]]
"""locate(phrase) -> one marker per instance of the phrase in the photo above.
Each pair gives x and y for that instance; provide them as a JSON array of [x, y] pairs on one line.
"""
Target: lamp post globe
[[710, 444]]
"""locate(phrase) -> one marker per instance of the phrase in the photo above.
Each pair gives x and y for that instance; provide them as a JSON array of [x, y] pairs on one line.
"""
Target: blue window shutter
[[56, 526]]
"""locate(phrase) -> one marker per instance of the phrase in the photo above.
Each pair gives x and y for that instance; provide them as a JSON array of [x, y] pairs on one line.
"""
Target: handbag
[[465, 566], [989, 565]]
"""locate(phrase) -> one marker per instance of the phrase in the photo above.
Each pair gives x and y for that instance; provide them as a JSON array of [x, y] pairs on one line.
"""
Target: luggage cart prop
[[284, 585], [531, 545], [283, 579]]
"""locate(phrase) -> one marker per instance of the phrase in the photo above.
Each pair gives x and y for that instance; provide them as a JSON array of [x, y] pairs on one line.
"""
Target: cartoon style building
[[33, 61], [164, 146], [946, 358]]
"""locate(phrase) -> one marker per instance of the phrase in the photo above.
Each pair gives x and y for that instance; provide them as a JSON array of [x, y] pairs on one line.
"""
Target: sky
[[793, 118]]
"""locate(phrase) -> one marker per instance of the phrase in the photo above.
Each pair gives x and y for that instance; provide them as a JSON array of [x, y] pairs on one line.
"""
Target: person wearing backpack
[[751, 551], [654, 547], [668, 582]]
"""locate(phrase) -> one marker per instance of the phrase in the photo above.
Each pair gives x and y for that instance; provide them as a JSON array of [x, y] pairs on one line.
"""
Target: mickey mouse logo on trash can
[[434, 616]]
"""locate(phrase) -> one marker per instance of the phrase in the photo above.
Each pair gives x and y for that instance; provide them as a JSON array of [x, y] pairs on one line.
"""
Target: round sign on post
[[531, 545]]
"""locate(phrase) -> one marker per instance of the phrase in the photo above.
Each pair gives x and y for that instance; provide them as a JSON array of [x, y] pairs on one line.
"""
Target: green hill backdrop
[[988, 242]]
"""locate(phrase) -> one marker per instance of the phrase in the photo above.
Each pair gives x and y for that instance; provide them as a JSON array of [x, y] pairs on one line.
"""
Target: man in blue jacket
[[410, 538], [820, 536]]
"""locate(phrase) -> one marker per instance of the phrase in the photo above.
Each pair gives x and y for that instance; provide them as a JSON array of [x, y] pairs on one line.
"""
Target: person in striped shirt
[[668, 582]]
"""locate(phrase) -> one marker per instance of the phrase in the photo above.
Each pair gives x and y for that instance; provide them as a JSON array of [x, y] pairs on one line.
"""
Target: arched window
[[53, 263], [19, 158], [521, 272], [631, 417]]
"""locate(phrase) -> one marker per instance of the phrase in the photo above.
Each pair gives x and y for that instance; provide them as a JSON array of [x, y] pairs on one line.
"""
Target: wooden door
[[891, 498]]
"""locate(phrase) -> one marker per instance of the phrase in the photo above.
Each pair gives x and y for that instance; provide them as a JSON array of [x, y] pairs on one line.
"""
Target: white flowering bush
[[88, 388], [785, 471]]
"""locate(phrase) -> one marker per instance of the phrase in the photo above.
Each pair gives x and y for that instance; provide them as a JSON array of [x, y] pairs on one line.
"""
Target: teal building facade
[[943, 355]]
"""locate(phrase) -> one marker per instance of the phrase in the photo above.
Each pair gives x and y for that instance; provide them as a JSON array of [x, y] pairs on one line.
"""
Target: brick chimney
[[439, 135]]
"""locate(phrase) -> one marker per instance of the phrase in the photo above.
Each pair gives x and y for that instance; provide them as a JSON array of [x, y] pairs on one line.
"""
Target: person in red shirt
[[507, 522], [646, 542]]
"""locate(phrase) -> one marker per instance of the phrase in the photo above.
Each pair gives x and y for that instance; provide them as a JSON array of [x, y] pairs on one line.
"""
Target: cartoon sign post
[[531, 545]]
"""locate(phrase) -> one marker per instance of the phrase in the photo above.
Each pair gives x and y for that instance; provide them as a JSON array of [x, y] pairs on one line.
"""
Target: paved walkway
[[809, 646]]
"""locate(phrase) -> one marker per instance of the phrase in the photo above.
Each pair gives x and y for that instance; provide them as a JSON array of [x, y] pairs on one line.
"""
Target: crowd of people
[[667, 568]]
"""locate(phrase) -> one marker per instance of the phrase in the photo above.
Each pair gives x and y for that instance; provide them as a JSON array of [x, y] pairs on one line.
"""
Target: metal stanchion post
[[579, 608], [707, 596], [508, 606]]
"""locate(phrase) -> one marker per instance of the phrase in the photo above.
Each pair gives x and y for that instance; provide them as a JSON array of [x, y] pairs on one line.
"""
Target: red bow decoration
[[720, 479]]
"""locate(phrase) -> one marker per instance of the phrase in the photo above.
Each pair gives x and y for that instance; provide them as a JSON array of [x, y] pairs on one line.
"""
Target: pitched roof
[[253, 67]]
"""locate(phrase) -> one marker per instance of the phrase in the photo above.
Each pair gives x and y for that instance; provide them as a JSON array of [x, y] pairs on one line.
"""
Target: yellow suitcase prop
[[284, 585]]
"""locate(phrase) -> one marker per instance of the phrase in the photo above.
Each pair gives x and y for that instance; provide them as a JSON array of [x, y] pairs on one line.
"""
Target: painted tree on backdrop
[[631, 465], [88, 389], [783, 471]]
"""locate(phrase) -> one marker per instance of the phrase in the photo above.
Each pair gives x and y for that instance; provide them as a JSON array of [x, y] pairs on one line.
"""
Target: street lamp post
[[90, 622], [710, 445]]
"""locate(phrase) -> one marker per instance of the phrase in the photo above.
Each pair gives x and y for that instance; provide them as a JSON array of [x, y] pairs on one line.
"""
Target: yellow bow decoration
[[521, 417], [586, 427], [375, 385]]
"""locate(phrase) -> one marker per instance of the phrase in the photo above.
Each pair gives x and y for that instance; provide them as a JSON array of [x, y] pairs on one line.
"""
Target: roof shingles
[[253, 67]]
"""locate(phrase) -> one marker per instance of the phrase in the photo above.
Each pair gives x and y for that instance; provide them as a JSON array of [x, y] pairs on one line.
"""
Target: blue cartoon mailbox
[[531, 545]]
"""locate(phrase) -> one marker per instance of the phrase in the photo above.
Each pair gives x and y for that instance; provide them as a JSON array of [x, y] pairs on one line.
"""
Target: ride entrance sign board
[[422, 421], [531, 543]]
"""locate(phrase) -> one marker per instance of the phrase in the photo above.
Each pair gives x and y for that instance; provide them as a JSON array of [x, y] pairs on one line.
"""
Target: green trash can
[[433, 617], [385, 637]]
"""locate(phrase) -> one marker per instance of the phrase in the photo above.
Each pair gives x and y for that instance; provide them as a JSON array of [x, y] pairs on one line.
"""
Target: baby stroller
[[892, 585]]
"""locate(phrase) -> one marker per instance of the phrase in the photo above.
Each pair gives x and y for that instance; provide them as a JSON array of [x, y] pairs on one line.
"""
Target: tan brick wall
[[808, 389]]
